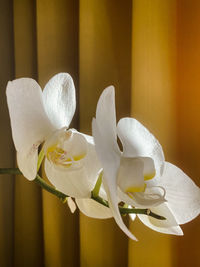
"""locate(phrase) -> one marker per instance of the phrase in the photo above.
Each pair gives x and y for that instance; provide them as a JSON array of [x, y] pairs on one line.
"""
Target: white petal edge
[[29, 122], [168, 226], [27, 163], [60, 99], [93, 209], [137, 141], [71, 204], [132, 216], [182, 194], [106, 118], [88, 138]]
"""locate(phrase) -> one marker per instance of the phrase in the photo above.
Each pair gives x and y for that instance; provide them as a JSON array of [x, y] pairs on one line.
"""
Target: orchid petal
[[132, 216], [130, 175], [182, 194], [92, 163], [137, 141], [27, 163], [88, 138], [71, 204], [60, 100], [168, 226], [110, 160], [76, 178], [106, 119], [72, 183], [29, 122], [149, 168], [93, 209], [149, 198]]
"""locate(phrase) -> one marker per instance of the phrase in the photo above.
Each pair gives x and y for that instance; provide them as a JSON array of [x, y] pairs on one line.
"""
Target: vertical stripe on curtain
[[105, 59], [153, 103], [188, 108], [57, 51], [28, 240], [7, 150]]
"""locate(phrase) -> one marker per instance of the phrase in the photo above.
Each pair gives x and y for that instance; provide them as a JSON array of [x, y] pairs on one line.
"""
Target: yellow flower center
[[134, 189], [149, 176], [61, 157]]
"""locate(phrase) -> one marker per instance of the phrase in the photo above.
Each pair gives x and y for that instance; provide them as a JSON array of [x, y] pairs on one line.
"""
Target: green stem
[[14, 171], [129, 211], [38, 180]]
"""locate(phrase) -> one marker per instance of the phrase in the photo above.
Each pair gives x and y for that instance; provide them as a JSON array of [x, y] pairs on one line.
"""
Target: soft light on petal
[[106, 119], [151, 197], [71, 204], [182, 194], [29, 122], [130, 175], [149, 168], [137, 141], [93, 209], [73, 182], [71, 164], [132, 216], [88, 138], [113, 204], [60, 100], [27, 163], [168, 226]]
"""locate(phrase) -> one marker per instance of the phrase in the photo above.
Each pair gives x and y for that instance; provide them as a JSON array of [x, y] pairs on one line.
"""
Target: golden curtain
[[150, 51]]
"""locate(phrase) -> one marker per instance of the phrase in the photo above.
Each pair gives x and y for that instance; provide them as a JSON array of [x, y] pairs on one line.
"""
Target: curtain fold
[[153, 103], [28, 228], [105, 59], [57, 51], [188, 110], [7, 150], [149, 50]]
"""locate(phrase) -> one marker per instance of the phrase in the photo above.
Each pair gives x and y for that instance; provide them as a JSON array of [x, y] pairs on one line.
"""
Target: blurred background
[[150, 51]]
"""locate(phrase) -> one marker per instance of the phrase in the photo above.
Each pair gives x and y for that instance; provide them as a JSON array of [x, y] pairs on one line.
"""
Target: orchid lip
[[155, 196], [61, 152]]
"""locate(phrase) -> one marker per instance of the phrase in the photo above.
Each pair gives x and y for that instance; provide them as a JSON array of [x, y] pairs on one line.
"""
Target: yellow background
[[150, 51]]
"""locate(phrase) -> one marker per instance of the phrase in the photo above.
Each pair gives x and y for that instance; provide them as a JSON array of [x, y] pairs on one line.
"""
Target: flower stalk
[[94, 194]]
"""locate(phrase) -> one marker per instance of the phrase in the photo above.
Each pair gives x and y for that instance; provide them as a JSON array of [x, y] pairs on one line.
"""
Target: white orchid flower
[[71, 163], [139, 176]]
